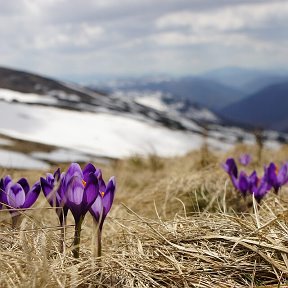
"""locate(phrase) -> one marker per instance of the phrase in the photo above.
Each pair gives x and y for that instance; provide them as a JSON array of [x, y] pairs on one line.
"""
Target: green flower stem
[[77, 235]]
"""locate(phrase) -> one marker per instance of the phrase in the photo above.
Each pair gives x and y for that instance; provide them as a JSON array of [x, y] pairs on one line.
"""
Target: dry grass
[[175, 223]]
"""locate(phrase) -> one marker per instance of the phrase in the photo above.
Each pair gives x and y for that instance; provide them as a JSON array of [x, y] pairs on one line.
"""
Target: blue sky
[[85, 39]]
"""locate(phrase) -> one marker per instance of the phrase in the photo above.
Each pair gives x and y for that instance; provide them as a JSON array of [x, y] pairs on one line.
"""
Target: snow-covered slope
[[82, 124]]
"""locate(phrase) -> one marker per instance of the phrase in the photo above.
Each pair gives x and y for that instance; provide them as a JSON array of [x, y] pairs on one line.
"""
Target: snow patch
[[61, 155], [17, 160], [10, 95]]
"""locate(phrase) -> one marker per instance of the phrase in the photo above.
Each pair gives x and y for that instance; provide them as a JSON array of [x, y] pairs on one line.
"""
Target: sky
[[83, 40]]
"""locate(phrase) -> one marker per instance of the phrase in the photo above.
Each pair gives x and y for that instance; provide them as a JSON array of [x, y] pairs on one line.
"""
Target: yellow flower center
[[102, 194], [84, 183]]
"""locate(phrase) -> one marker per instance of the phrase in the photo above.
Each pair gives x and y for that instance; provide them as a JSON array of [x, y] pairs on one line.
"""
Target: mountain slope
[[201, 91], [77, 123], [266, 108]]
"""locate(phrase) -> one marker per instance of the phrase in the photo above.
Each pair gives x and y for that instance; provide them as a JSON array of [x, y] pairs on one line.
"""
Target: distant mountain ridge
[[204, 92], [249, 81], [268, 108]]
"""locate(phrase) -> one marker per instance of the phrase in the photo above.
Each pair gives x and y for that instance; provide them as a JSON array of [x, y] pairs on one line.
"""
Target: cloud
[[145, 36], [226, 19]]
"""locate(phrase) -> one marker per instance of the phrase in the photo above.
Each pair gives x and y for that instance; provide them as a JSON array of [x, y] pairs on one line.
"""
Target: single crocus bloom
[[80, 190], [260, 188], [102, 205], [54, 193], [277, 179], [240, 183], [104, 200], [18, 195], [231, 168], [245, 183], [245, 159]]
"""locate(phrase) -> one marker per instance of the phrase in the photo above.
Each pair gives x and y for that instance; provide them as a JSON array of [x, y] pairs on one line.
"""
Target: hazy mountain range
[[240, 96], [266, 108]]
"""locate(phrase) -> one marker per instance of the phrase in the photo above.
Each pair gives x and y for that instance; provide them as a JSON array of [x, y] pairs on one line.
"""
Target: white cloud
[[140, 36], [226, 19]]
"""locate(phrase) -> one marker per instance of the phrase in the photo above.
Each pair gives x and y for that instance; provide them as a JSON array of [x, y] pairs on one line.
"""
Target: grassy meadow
[[175, 222]]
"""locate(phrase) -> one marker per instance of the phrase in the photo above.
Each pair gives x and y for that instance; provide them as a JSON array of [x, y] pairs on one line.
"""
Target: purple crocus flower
[[277, 179], [240, 183], [260, 188], [231, 168], [102, 205], [245, 183], [80, 189], [104, 200], [245, 159], [18, 195], [54, 193]]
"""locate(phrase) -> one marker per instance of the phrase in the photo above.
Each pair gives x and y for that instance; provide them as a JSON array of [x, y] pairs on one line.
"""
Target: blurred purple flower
[[230, 167], [277, 179], [245, 183], [245, 159], [260, 188]]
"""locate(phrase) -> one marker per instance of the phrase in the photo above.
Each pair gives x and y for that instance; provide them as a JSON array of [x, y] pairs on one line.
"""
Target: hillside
[[204, 92], [266, 108]]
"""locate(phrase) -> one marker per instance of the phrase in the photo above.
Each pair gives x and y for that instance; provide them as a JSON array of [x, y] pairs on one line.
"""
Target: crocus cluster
[[76, 190], [252, 183]]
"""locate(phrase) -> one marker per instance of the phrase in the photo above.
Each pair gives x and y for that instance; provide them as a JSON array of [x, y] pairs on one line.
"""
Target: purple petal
[[91, 191], [50, 178], [102, 185], [25, 185], [270, 174], [243, 184], [15, 196], [89, 168], [32, 195], [75, 190], [231, 168], [3, 193], [108, 197], [260, 191], [97, 208], [6, 181], [245, 159], [50, 193], [282, 175], [57, 175], [74, 170]]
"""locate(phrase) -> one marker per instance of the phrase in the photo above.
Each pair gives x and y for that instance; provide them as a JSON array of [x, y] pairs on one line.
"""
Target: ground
[[175, 222]]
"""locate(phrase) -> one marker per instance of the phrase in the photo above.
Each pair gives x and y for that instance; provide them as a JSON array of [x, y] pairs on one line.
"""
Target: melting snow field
[[11, 159], [99, 134]]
